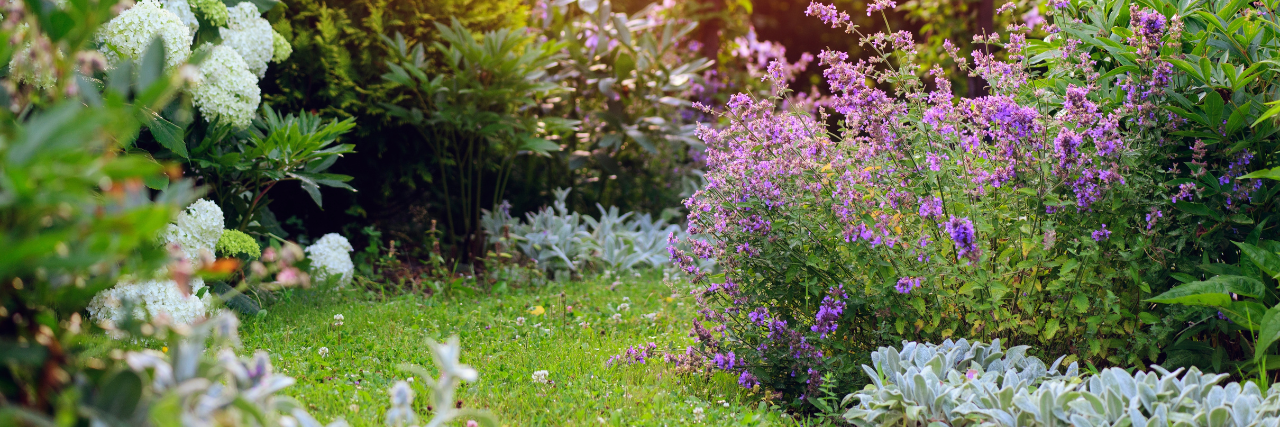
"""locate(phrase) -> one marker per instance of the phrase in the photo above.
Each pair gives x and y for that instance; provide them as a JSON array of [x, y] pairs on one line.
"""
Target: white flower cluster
[[197, 228], [182, 10], [329, 257], [156, 298], [228, 92], [129, 34], [250, 36], [540, 377], [226, 89]]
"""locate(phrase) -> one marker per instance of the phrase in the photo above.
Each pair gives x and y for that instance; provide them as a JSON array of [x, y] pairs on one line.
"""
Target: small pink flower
[[472, 423], [289, 276], [971, 374]]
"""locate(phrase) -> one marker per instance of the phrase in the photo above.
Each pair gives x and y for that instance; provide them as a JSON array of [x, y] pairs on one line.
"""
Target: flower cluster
[[154, 299], [250, 36], [791, 208], [213, 11], [228, 92], [182, 10], [235, 243], [197, 229], [194, 234], [128, 35], [633, 355], [329, 258]]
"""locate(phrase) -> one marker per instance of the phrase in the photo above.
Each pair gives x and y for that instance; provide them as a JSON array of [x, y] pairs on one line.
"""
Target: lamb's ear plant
[[959, 384], [441, 389]]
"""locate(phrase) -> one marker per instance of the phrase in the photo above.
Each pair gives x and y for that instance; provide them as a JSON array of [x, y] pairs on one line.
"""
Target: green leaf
[[1269, 331], [1272, 174], [537, 145], [1264, 259], [1198, 209], [166, 133], [1213, 292]]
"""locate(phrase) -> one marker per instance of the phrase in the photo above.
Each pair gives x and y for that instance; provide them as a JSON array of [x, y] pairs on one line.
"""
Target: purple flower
[[725, 361], [746, 380], [1066, 149], [1185, 191], [759, 316], [829, 312], [931, 207], [1101, 234], [966, 240], [906, 284]]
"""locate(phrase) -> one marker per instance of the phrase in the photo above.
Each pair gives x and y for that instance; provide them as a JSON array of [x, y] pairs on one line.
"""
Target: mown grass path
[[378, 335]]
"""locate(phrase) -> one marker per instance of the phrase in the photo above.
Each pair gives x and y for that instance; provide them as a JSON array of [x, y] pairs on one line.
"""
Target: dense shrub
[[1218, 59], [1017, 215]]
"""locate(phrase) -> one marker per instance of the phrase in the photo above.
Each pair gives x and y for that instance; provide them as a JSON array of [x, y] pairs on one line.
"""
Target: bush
[[562, 242], [1216, 140], [957, 384], [1017, 215]]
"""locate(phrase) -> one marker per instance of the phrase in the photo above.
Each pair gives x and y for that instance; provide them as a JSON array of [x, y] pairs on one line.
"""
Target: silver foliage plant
[[184, 387], [559, 240], [962, 384]]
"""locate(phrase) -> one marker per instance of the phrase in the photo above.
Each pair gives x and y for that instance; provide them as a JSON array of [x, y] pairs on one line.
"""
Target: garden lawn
[[378, 335]]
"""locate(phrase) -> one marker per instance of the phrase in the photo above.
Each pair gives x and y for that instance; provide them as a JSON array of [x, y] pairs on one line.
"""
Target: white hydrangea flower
[[280, 47], [198, 227], [129, 34], [154, 298], [182, 10], [228, 92], [329, 257], [250, 35]]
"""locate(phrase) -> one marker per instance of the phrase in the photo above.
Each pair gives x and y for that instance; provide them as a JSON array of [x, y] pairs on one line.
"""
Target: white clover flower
[[129, 34], [154, 298], [617, 317], [324, 351], [540, 377], [182, 10], [519, 321], [228, 92], [650, 317], [196, 228], [624, 306], [249, 35], [329, 257]]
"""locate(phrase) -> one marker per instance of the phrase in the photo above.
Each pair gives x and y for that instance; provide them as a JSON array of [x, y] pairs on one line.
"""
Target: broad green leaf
[[1268, 332], [166, 133], [1268, 261], [1198, 209], [1213, 292], [1272, 174]]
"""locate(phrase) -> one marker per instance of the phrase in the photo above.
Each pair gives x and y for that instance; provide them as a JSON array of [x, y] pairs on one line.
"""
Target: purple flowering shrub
[[922, 215], [1214, 67]]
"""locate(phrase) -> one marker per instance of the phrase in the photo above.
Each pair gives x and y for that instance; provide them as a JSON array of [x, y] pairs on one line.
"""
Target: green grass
[[380, 335]]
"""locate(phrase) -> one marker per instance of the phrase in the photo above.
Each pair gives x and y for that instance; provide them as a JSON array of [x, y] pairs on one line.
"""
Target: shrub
[[1216, 141], [923, 217], [957, 384], [557, 240]]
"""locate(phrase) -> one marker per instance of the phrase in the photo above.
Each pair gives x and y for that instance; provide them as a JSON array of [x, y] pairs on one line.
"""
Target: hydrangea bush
[[330, 257], [922, 216], [194, 235]]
